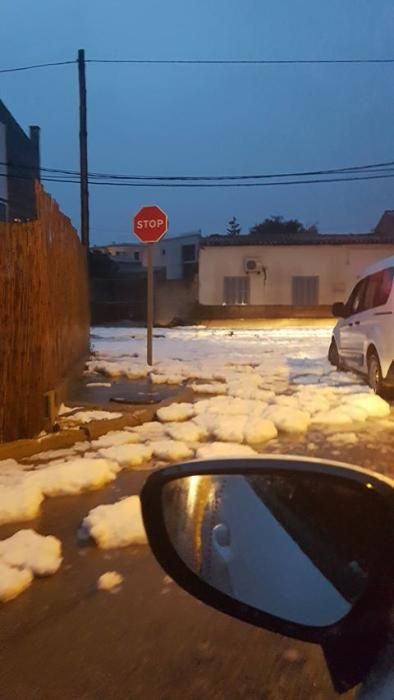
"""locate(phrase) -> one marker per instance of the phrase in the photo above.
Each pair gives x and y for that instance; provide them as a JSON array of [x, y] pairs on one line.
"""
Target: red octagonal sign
[[150, 224]]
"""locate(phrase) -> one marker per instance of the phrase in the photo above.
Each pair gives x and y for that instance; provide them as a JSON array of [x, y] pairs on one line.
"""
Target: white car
[[363, 339]]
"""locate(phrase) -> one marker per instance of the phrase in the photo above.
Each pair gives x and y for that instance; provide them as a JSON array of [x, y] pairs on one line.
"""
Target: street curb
[[132, 416]]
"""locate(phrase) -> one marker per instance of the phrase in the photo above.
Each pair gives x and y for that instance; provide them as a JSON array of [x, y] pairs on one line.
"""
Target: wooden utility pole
[[83, 150]]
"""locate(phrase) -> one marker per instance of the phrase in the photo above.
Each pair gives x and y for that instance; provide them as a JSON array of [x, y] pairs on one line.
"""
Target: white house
[[301, 276], [178, 256]]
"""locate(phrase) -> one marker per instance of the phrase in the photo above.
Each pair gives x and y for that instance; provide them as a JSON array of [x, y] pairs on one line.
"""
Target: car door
[[376, 323], [349, 331], [363, 322]]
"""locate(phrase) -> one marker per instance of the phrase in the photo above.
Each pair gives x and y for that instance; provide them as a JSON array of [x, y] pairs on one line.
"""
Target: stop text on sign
[[150, 223]]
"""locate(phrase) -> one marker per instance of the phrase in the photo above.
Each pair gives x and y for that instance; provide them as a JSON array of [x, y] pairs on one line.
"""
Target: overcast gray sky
[[202, 120]]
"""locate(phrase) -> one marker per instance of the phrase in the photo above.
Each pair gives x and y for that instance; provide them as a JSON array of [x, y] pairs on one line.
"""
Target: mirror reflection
[[299, 547]]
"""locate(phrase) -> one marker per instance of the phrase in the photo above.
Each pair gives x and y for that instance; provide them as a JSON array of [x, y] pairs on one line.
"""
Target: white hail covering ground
[[262, 384], [24, 555]]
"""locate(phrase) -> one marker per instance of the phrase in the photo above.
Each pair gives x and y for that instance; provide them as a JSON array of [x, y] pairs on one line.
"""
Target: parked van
[[363, 340]]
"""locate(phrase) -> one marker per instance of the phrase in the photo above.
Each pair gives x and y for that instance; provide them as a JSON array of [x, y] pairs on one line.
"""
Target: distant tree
[[100, 264], [277, 226], [233, 228]]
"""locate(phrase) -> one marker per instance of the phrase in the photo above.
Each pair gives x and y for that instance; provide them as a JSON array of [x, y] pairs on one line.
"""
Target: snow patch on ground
[[116, 525]]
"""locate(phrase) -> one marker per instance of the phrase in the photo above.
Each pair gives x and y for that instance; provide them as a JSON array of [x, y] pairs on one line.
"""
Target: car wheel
[[333, 354], [375, 379]]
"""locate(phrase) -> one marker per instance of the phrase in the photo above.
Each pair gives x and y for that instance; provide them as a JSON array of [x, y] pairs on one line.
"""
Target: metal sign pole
[[149, 309]]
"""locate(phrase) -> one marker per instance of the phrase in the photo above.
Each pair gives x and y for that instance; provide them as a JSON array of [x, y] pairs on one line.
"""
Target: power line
[[35, 66], [246, 62], [203, 61], [383, 167], [207, 185]]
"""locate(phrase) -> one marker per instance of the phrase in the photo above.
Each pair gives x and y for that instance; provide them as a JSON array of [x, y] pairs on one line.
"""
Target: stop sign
[[150, 224]]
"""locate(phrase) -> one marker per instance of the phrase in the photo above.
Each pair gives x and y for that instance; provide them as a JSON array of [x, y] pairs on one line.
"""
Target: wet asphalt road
[[64, 639]]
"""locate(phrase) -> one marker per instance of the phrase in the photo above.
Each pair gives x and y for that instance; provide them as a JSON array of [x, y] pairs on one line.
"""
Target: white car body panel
[[355, 334]]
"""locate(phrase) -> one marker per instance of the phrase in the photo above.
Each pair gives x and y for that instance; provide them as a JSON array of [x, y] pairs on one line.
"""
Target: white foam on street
[[13, 581], [92, 385], [113, 438], [127, 455], [20, 502], [29, 550], [116, 525], [153, 430], [216, 450], [288, 419], [171, 450], [343, 439], [111, 582], [215, 388], [89, 416], [172, 379], [189, 431], [176, 412], [73, 477], [230, 428], [24, 555], [259, 430]]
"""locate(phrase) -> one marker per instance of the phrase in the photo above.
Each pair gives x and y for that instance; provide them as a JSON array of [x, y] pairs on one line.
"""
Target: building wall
[[23, 167], [167, 254], [337, 266], [175, 301], [3, 173]]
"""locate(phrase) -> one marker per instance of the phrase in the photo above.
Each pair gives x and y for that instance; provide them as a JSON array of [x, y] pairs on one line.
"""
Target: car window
[[384, 287], [371, 291], [356, 300]]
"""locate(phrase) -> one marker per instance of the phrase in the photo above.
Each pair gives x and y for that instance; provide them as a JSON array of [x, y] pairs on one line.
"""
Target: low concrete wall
[[249, 311]]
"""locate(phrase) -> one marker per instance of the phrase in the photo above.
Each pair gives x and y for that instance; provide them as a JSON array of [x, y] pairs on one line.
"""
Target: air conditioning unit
[[253, 265]]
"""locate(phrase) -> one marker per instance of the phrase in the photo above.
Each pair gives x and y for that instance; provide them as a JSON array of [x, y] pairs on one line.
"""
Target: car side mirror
[[286, 544], [339, 310], [296, 546]]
